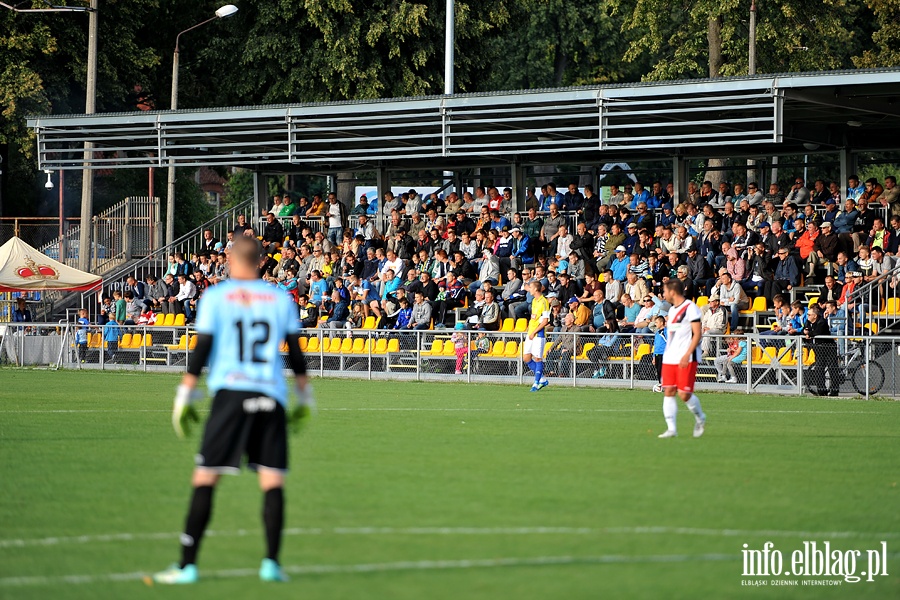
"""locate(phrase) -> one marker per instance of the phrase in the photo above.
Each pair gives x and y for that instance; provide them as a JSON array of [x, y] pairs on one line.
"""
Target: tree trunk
[[560, 62], [714, 38]]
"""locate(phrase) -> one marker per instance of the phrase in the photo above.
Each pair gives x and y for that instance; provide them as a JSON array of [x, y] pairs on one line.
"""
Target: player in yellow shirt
[[533, 348]]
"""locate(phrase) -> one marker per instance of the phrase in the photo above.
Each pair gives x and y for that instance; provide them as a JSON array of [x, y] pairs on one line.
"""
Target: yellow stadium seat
[[148, 340], [512, 350], [334, 346], [169, 320], [642, 351], [393, 345], [809, 357], [369, 323], [757, 356], [192, 343], [508, 325], [892, 308], [381, 346], [359, 345], [702, 301], [813, 300], [304, 344], [873, 327], [313, 345], [94, 340], [283, 347], [125, 342], [346, 346], [179, 320], [181, 345], [136, 340], [587, 348], [498, 348], [159, 321], [521, 326], [449, 348], [368, 347], [759, 304], [437, 346], [547, 349]]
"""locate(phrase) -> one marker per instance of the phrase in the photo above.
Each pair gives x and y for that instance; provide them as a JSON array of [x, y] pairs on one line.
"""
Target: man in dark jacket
[[583, 246], [787, 275], [462, 268], [698, 269], [815, 332], [273, 234]]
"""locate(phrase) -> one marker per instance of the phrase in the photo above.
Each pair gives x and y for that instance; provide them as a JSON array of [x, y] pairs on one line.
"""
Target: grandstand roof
[[732, 116]]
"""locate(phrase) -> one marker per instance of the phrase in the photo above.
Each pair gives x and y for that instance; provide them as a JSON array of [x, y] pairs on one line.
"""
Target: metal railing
[[874, 306], [769, 364], [157, 261]]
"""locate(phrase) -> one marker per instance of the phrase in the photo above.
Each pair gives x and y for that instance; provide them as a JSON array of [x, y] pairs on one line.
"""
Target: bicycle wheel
[[875, 381]]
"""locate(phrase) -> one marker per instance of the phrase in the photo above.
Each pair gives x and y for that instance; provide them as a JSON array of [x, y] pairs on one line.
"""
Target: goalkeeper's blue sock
[[197, 520], [538, 370], [273, 520], [530, 365]]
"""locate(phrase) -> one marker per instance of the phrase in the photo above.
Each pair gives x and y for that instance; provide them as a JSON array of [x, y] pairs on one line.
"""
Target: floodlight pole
[[449, 47], [85, 249], [751, 58], [449, 57], [90, 107], [225, 11]]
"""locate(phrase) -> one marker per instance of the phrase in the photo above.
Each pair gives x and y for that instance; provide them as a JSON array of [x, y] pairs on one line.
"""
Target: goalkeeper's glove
[[302, 409], [183, 412]]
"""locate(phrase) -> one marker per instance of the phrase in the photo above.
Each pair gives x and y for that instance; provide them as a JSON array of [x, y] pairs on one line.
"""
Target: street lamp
[[221, 13], [90, 106]]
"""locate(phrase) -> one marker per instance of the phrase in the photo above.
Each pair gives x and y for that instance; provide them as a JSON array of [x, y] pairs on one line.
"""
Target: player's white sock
[[670, 411], [693, 404]]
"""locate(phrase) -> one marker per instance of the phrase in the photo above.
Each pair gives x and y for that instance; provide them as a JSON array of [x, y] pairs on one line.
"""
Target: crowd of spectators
[[441, 260]]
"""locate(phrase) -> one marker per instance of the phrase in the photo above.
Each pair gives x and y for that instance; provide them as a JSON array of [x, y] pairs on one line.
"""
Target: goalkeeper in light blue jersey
[[241, 326]]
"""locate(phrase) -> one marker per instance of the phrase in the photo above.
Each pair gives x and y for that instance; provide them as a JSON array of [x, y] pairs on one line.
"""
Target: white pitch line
[[465, 531], [473, 410], [421, 565]]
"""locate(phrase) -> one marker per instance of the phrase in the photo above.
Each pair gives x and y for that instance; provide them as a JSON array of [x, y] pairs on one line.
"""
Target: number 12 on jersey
[[257, 334]]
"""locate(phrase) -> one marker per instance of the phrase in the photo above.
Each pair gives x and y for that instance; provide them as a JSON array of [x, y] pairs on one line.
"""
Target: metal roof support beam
[[679, 177], [383, 185], [260, 197], [517, 176]]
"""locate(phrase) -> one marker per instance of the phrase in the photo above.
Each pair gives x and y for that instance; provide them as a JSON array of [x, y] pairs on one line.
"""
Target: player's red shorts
[[683, 379]]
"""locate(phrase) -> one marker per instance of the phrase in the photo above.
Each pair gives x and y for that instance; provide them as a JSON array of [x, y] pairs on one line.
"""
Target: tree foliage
[[885, 37], [792, 35], [321, 50], [561, 42]]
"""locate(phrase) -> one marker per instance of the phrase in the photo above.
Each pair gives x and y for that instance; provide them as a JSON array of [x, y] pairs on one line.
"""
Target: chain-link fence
[[773, 364]]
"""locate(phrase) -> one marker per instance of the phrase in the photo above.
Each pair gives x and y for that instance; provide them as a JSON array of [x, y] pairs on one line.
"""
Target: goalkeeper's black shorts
[[244, 424]]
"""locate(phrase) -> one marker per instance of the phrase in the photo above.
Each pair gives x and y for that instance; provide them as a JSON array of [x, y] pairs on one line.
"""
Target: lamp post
[[221, 13], [90, 105]]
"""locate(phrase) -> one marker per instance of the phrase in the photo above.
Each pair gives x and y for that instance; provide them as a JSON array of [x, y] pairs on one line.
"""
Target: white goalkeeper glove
[[302, 409], [183, 413]]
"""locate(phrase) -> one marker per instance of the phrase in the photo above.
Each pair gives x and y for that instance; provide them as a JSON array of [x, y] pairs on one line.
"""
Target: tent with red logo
[[24, 269]]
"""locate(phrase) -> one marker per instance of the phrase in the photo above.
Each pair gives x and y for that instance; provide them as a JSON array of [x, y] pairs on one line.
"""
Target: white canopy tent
[[25, 269]]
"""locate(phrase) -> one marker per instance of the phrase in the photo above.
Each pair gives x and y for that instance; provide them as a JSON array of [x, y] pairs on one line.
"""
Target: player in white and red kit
[[680, 359]]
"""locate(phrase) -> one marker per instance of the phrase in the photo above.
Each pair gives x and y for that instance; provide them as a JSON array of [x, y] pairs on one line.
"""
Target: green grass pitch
[[425, 490]]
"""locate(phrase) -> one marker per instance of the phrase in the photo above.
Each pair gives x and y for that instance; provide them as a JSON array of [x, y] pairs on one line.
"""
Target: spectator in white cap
[[619, 264]]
